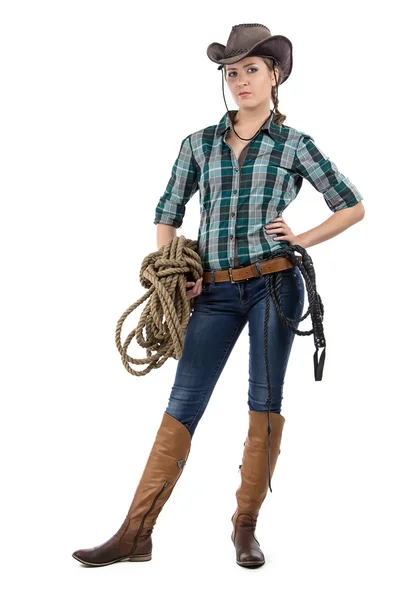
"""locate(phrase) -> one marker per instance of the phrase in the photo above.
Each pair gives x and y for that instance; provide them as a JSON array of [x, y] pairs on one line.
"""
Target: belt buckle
[[230, 275]]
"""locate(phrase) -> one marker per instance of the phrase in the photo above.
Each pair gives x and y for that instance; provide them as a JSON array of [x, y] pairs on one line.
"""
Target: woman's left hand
[[278, 225]]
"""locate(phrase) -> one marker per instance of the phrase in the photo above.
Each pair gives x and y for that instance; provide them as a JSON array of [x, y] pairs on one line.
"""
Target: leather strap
[[241, 273]]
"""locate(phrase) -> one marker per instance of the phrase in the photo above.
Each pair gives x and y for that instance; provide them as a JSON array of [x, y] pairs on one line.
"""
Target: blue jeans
[[220, 313]]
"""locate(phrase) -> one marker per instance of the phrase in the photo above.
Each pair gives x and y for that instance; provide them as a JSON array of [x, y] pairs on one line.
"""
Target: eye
[[249, 69]]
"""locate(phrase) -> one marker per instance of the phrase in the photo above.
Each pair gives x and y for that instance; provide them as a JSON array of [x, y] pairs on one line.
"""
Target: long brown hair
[[279, 118]]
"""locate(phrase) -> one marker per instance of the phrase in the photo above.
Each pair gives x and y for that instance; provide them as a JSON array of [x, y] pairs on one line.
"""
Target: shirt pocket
[[271, 178], [269, 174]]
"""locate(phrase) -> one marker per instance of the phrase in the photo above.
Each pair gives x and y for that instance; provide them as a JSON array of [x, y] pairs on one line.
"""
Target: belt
[[240, 273]]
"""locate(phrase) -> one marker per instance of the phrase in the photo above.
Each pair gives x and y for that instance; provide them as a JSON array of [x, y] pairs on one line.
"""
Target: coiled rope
[[164, 273]]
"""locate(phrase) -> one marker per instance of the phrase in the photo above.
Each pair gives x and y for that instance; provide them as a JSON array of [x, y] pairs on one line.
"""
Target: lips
[[244, 93]]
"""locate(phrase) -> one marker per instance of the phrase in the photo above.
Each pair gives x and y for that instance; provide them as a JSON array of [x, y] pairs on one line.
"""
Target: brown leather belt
[[240, 273]]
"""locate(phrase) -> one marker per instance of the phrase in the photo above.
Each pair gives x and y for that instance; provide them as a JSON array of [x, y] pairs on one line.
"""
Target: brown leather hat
[[253, 39]]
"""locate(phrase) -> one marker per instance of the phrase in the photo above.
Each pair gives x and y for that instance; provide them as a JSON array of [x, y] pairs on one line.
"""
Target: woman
[[248, 168]]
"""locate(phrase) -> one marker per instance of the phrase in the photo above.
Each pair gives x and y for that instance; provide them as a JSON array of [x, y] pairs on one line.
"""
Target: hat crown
[[253, 39], [244, 36]]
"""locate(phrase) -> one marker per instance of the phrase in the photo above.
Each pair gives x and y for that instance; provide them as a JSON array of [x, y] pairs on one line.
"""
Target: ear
[[275, 80]]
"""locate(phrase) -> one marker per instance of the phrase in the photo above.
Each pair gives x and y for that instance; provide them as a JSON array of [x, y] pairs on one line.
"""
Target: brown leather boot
[[254, 484], [163, 468]]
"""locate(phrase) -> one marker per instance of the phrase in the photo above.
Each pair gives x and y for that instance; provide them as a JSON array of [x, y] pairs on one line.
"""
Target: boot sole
[[134, 558], [255, 563]]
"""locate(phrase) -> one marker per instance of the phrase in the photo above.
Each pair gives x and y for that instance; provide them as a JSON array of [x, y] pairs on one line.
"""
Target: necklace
[[257, 132]]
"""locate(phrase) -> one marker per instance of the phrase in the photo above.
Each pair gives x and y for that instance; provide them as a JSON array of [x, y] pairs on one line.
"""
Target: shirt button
[[231, 237], [233, 214], [235, 191], [236, 169]]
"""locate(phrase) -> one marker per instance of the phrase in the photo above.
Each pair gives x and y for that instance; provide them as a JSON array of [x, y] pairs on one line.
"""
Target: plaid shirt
[[238, 198]]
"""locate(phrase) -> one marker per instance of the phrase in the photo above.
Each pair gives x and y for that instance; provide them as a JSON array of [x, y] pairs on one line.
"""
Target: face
[[251, 74]]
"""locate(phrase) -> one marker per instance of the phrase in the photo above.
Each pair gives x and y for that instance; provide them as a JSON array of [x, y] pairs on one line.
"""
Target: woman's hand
[[278, 225], [194, 288]]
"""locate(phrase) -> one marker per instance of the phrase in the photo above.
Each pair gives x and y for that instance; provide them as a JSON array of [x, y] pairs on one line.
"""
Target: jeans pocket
[[300, 286]]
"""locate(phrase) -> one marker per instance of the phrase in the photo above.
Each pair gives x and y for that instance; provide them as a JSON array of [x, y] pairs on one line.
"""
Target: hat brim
[[278, 46]]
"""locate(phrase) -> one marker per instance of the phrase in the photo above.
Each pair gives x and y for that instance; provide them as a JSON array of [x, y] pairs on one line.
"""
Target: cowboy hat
[[253, 39]]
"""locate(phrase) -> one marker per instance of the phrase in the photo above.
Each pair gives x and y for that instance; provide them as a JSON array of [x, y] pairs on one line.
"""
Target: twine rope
[[162, 325]]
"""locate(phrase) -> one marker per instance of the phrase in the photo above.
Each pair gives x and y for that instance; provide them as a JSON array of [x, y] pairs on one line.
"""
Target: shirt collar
[[270, 127]]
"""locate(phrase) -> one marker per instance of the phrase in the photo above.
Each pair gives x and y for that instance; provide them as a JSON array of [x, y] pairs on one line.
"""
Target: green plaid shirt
[[237, 198]]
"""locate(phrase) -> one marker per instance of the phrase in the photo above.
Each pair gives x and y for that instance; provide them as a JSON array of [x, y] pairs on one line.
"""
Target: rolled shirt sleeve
[[312, 164], [182, 185]]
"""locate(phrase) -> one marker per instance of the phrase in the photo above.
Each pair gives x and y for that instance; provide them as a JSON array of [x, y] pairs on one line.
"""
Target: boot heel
[[140, 557]]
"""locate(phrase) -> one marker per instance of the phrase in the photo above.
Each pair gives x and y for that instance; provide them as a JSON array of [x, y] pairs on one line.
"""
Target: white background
[[96, 98]]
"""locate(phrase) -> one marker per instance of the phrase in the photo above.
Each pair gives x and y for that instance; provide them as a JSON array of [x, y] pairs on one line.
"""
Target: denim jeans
[[220, 313]]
